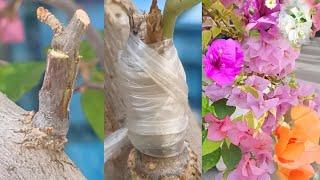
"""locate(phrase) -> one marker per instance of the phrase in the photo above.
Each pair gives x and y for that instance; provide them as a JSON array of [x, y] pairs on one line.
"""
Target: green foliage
[[231, 155], [93, 102], [224, 19], [208, 35], [18, 78], [210, 146], [210, 160], [221, 109], [86, 51]]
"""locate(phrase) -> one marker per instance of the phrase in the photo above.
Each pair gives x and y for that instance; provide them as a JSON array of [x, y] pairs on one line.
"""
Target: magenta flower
[[217, 129], [223, 61], [11, 28], [216, 92]]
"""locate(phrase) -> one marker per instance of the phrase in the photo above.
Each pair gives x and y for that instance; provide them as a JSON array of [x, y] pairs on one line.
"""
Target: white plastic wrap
[[155, 92]]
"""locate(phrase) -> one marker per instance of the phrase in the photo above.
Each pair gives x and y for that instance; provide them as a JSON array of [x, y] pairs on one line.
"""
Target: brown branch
[[61, 71], [94, 37]]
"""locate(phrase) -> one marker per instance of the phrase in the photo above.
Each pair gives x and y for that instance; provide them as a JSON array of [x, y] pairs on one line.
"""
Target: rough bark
[[21, 157], [183, 166], [117, 30], [61, 71]]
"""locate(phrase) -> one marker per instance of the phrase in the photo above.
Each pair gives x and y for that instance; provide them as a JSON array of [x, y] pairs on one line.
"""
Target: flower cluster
[[257, 160], [255, 73]]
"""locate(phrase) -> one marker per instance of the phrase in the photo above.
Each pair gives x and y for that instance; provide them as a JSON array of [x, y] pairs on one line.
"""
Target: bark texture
[[183, 166], [117, 30], [61, 72], [22, 156]]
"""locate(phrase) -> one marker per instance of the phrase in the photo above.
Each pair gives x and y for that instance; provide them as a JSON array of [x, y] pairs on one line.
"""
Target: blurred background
[[23, 45]]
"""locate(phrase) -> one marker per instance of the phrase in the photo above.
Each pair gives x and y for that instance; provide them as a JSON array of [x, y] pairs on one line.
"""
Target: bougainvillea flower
[[216, 92], [302, 173], [257, 82], [11, 27], [273, 56], [257, 160], [250, 168], [217, 129], [260, 105], [239, 132], [238, 98], [298, 146], [223, 61]]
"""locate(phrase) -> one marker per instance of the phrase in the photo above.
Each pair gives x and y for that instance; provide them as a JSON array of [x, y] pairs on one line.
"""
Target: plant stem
[[172, 9]]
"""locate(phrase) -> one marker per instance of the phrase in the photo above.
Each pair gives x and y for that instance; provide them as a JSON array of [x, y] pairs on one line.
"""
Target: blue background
[[84, 147]]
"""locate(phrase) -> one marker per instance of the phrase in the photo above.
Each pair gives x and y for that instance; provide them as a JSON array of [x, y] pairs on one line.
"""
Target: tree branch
[[61, 71], [172, 9], [93, 36]]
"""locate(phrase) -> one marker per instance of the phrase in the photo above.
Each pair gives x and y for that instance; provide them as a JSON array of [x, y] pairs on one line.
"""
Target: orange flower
[[302, 173], [298, 146]]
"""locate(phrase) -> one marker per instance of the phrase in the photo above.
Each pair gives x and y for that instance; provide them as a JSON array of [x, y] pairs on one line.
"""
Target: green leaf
[[210, 146], [210, 160], [215, 31], [92, 102], [18, 78], [206, 38], [206, 107], [86, 51], [231, 155], [221, 110], [204, 135], [207, 3], [251, 90]]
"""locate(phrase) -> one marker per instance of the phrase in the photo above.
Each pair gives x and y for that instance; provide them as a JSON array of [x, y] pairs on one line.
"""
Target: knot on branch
[[45, 16]]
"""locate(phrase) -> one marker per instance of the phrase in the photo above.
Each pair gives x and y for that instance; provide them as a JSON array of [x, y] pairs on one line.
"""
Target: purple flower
[[238, 98], [260, 105], [257, 82], [216, 92], [223, 61], [287, 98], [269, 124], [257, 161], [273, 56]]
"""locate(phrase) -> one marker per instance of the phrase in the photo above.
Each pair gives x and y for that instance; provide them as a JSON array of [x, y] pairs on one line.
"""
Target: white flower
[[295, 22], [271, 3]]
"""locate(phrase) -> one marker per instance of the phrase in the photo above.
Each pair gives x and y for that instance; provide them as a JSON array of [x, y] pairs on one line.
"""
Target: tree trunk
[[21, 156]]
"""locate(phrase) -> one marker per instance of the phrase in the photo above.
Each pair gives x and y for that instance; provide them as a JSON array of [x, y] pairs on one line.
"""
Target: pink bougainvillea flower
[[257, 160], [269, 55], [239, 132], [260, 105], [238, 98], [216, 92], [257, 82], [217, 129], [287, 98], [223, 61], [11, 27]]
